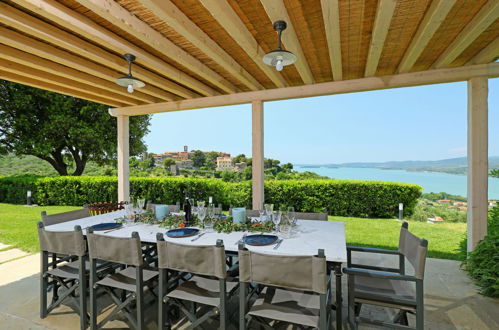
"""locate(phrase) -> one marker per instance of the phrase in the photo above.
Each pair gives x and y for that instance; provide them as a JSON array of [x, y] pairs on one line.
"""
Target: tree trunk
[[80, 161], [57, 162]]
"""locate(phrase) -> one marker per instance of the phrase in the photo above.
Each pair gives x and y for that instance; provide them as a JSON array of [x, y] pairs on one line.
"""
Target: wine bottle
[[188, 211]]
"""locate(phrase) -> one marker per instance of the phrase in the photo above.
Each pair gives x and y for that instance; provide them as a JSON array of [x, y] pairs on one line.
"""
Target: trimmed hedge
[[339, 197]]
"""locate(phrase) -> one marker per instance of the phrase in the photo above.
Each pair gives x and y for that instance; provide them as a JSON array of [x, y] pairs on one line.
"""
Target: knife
[[197, 237], [278, 244]]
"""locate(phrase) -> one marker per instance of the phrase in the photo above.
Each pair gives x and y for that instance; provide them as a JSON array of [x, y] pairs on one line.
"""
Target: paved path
[[452, 301], [10, 254]]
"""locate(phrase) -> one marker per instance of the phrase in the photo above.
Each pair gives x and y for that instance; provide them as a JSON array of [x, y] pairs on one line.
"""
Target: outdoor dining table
[[312, 235]]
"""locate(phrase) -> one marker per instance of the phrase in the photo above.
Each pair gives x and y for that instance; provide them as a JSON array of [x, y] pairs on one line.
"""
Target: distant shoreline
[[385, 168]]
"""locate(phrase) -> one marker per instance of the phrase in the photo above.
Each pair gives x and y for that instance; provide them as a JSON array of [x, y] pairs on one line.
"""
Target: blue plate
[[106, 226], [260, 239], [182, 232], [220, 216]]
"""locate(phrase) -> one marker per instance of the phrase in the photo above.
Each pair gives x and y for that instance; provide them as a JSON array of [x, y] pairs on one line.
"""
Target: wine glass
[[292, 215], [141, 202]]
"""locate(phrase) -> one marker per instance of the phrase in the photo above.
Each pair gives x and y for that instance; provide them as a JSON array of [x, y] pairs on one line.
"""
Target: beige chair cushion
[[71, 270], [202, 290], [287, 305], [385, 289], [53, 219], [126, 279]]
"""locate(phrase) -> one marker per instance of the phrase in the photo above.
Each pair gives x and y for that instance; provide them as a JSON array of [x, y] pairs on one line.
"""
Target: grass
[[18, 228], [18, 224], [443, 238]]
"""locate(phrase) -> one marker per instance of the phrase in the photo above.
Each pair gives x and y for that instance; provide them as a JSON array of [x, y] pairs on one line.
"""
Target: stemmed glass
[[292, 218], [141, 202]]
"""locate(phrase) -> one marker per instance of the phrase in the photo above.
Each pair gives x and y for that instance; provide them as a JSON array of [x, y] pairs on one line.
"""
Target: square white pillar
[[123, 158], [477, 160], [257, 154]]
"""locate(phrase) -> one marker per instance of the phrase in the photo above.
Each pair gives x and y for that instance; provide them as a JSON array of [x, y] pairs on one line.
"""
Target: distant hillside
[[30, 165], [452, 165]]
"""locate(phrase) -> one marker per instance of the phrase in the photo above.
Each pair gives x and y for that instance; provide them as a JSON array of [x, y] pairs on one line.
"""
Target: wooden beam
[[336, 87], [478, 170], [123, 159], [276, 10], [432, 20], [177, 20], [225, 16], [487, 55], [77, 23], [480, 22], [41, 30], [67, 84], [384, 15], [40, 49], [32, 61], [258, 173], [55, 88], [112, 12], [330, 14]]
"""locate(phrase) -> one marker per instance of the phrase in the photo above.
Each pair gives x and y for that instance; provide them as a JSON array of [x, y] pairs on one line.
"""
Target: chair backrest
[[249, 213], [171, 208], [292, 272], [53, 219], [206, 260], [122, 250], [62, 242], [311, 216], [414, 249], [105, 207]]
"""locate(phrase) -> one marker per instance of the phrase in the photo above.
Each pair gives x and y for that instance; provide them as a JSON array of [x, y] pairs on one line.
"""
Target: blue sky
[[416, 123]]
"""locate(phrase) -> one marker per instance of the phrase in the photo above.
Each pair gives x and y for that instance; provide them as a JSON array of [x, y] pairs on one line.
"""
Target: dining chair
[[389, 287], [64, 272], [53, 219], [133, 281], [171, 208], [105, 207], [294, 289], [311, 216], [209, 284]]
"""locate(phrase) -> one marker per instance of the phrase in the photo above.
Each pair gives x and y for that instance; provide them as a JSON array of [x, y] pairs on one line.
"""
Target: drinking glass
[[292, 216], [269, 208], [141, 202], [129, 213], [263, 215], [276, 219]]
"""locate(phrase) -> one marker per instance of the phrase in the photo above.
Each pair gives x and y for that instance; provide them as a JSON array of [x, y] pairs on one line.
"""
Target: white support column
[[477, 160], [257, 155], [123, 158]]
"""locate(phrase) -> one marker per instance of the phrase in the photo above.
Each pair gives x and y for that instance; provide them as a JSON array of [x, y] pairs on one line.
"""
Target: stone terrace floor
[[451, 300]]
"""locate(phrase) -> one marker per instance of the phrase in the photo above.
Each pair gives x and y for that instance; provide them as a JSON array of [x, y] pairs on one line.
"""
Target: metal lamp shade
[[129, 80], [286, 57]]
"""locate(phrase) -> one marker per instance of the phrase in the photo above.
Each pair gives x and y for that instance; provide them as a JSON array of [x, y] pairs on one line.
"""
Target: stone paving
[[452, 301]]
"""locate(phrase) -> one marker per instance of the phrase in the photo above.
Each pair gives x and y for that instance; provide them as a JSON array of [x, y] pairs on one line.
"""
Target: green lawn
[[18, 224], [18, 228], [443, 238]]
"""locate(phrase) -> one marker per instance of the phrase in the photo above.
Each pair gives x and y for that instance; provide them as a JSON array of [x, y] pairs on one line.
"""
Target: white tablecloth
[[313, 235]]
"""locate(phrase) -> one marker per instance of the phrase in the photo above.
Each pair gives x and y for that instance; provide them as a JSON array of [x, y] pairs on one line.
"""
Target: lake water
[[430, 181]]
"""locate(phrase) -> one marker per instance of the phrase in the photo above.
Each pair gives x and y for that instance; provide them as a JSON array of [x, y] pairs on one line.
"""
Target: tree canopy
[[64, 131]]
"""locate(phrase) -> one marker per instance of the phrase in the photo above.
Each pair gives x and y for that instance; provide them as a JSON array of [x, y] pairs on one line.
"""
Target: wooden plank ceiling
[[193, 48]]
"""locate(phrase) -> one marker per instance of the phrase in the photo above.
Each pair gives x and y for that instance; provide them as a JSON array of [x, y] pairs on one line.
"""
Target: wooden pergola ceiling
[[193, 48]]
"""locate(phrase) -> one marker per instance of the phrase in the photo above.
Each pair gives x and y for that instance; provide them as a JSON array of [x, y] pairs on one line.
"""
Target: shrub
[[483, 263], [339, 197]]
